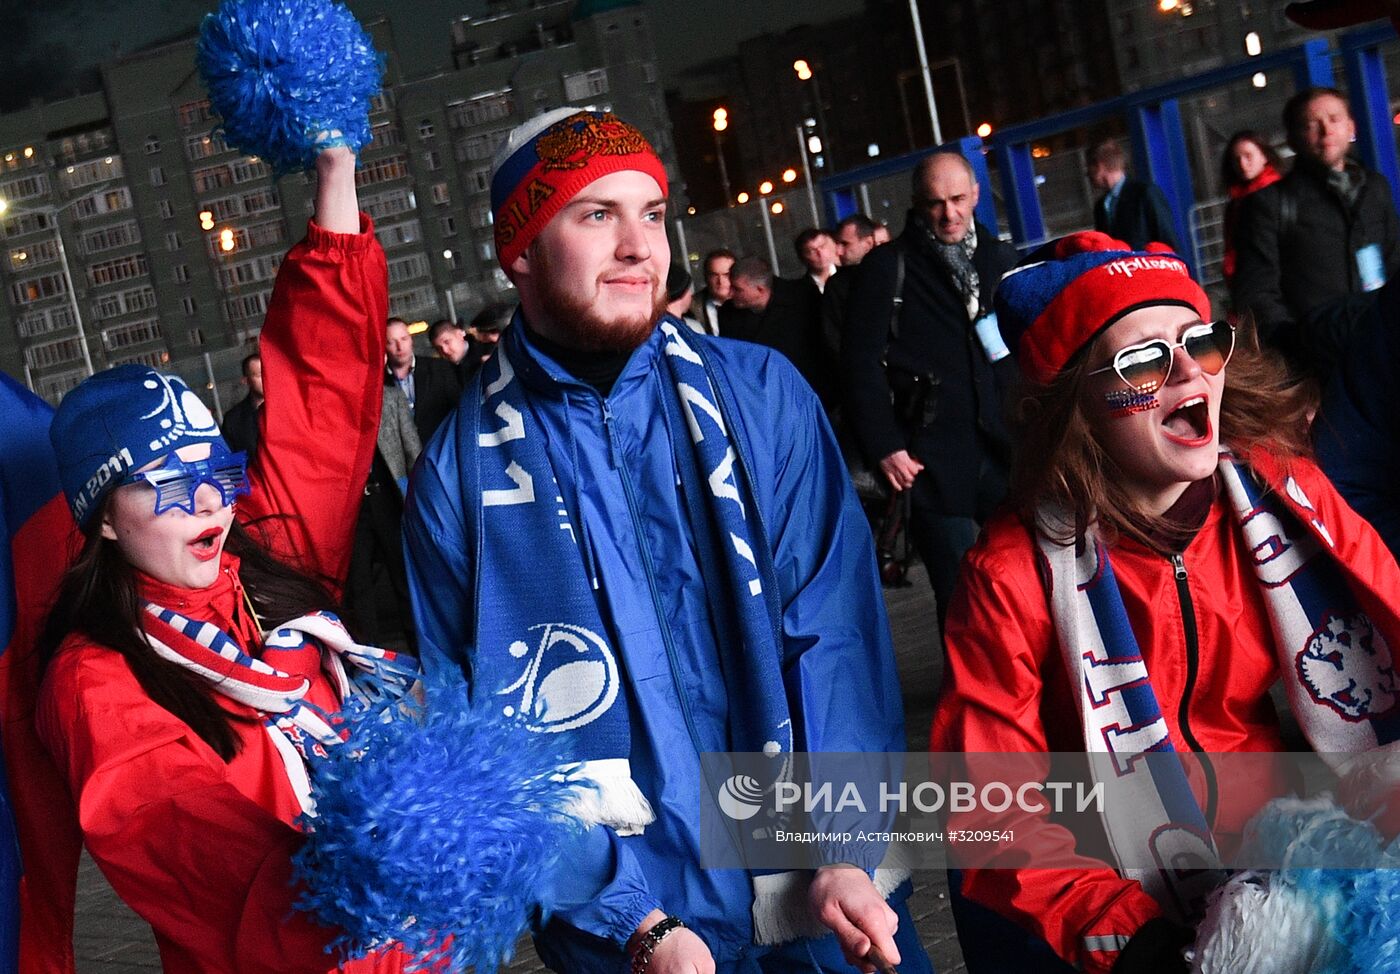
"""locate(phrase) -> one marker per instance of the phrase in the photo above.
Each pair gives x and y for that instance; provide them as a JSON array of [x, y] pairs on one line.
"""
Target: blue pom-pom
[[288, 77], [439, 830], [1359, 907]]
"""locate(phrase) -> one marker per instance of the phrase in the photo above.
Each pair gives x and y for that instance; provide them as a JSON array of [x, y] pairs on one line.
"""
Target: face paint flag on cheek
[[1126, 402]]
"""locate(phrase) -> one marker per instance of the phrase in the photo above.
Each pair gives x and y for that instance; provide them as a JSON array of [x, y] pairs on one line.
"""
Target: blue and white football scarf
[[542, 645], [299, 730], [1333, 660]]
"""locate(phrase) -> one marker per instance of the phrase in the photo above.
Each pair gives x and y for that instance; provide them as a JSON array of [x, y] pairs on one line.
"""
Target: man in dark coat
[[430, 384], [782, 314], [1130, 209], [240, 425], [942, 438], [1314, 246]]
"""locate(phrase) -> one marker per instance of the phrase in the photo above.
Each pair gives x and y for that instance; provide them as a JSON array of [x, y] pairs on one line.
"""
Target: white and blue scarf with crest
[[544, 646], [1336, 666]]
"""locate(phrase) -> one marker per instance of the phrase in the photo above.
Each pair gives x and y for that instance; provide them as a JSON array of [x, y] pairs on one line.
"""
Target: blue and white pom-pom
[[1306, 917], [288, 78], [440, 830]]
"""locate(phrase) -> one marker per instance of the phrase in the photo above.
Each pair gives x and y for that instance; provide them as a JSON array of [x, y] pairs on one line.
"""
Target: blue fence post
[[1159, 149], [1314, 68], [971, 148], [1375, 132], [840, 203], [1019, 192]]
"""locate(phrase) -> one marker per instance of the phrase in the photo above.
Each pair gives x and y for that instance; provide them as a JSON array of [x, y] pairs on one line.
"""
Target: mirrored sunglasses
[[177, 480], [1146, 367]]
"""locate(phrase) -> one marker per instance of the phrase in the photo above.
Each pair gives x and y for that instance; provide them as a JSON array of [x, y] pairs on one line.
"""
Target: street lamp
[[721, 122], [52, 212], [805, 73], [765, 187], [806, 171]]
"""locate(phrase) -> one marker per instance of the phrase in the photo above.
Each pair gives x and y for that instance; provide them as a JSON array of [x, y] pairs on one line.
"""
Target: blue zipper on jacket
[[614, 458]]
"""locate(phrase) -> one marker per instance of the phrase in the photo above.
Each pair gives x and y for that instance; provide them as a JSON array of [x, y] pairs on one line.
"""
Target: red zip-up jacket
[[1007, 689], [198, 847]]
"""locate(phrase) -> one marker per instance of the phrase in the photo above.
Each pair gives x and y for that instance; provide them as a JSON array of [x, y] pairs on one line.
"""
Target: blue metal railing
[[1159, 147]]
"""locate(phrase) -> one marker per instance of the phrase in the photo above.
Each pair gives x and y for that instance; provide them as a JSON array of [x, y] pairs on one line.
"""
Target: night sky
[[48, 49]]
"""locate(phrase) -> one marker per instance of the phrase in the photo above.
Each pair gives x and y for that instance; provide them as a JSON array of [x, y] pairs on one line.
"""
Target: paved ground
[[112, 940]]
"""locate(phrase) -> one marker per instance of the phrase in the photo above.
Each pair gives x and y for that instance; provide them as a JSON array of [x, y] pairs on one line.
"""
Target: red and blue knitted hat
[[547, 161], [1062, 296]]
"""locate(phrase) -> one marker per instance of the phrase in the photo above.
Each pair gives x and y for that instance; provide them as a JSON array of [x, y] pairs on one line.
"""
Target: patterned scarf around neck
[[1327, 649], [543, 645], [299, 730], [956, 259]]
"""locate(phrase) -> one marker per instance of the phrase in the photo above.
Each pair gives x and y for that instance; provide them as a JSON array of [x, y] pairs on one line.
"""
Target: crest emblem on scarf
[[570, 678], [1347, 666]]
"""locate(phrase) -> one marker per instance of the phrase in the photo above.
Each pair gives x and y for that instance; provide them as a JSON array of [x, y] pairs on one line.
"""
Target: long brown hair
[[98, 599], [1060, 461]]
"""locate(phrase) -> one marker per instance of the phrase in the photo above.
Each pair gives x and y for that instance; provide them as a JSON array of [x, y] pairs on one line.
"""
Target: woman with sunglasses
[[179, 728], [1171, 550]]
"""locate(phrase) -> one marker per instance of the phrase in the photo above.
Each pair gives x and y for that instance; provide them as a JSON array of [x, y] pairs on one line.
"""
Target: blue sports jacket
[[839, 668]]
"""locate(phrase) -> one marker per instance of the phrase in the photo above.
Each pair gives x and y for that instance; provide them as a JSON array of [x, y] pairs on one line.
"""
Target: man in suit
[[925, 378], [710, 298], [431, 385], [817, 250], [1130, 209], [240, 426], [855, 237], [379, 529], [782, 314]]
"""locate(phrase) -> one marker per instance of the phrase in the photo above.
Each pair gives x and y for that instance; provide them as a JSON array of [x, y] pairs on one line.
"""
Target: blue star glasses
[[176, 481]]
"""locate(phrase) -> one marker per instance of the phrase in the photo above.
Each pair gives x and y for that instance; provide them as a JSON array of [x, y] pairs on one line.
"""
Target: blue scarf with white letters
[[543, 646]]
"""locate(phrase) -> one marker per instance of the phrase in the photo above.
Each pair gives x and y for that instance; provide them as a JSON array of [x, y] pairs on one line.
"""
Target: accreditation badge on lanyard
[[1370, 267]]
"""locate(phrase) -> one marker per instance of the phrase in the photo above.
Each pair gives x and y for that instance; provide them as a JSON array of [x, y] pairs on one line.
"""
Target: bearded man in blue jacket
[[643, 543]]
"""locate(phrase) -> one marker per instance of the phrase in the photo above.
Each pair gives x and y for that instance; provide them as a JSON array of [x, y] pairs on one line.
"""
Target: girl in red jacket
[[1171, 552], [178, 720]]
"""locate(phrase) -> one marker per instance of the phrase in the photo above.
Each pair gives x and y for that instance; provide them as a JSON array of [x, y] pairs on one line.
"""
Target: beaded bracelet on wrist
[[646, 947]]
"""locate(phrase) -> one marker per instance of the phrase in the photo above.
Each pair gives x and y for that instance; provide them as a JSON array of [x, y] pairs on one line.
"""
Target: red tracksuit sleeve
[[1002, 649], [207, 866], [322, 349]]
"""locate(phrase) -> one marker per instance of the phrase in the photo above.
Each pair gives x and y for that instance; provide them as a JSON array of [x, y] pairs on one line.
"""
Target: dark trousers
[[942, 539], [379, 543], [992, 944]]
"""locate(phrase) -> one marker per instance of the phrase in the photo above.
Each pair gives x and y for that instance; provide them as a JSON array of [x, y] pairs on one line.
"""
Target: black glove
[[1156, 949]]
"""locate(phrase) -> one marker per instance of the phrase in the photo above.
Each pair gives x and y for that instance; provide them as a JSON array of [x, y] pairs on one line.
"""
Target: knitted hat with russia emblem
[[547, 161], [1065, 294]]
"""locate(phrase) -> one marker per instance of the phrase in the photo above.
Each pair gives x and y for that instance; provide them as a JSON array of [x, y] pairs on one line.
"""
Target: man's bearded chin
[[575, 323]]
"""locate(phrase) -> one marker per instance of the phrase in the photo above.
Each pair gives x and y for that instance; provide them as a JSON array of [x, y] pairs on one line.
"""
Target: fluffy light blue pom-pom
[[1359, 907], [440, 831], [283, 73]]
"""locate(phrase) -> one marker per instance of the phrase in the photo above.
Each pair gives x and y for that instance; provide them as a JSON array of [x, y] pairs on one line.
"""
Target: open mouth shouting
[[1189, 423], [206, 546]]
